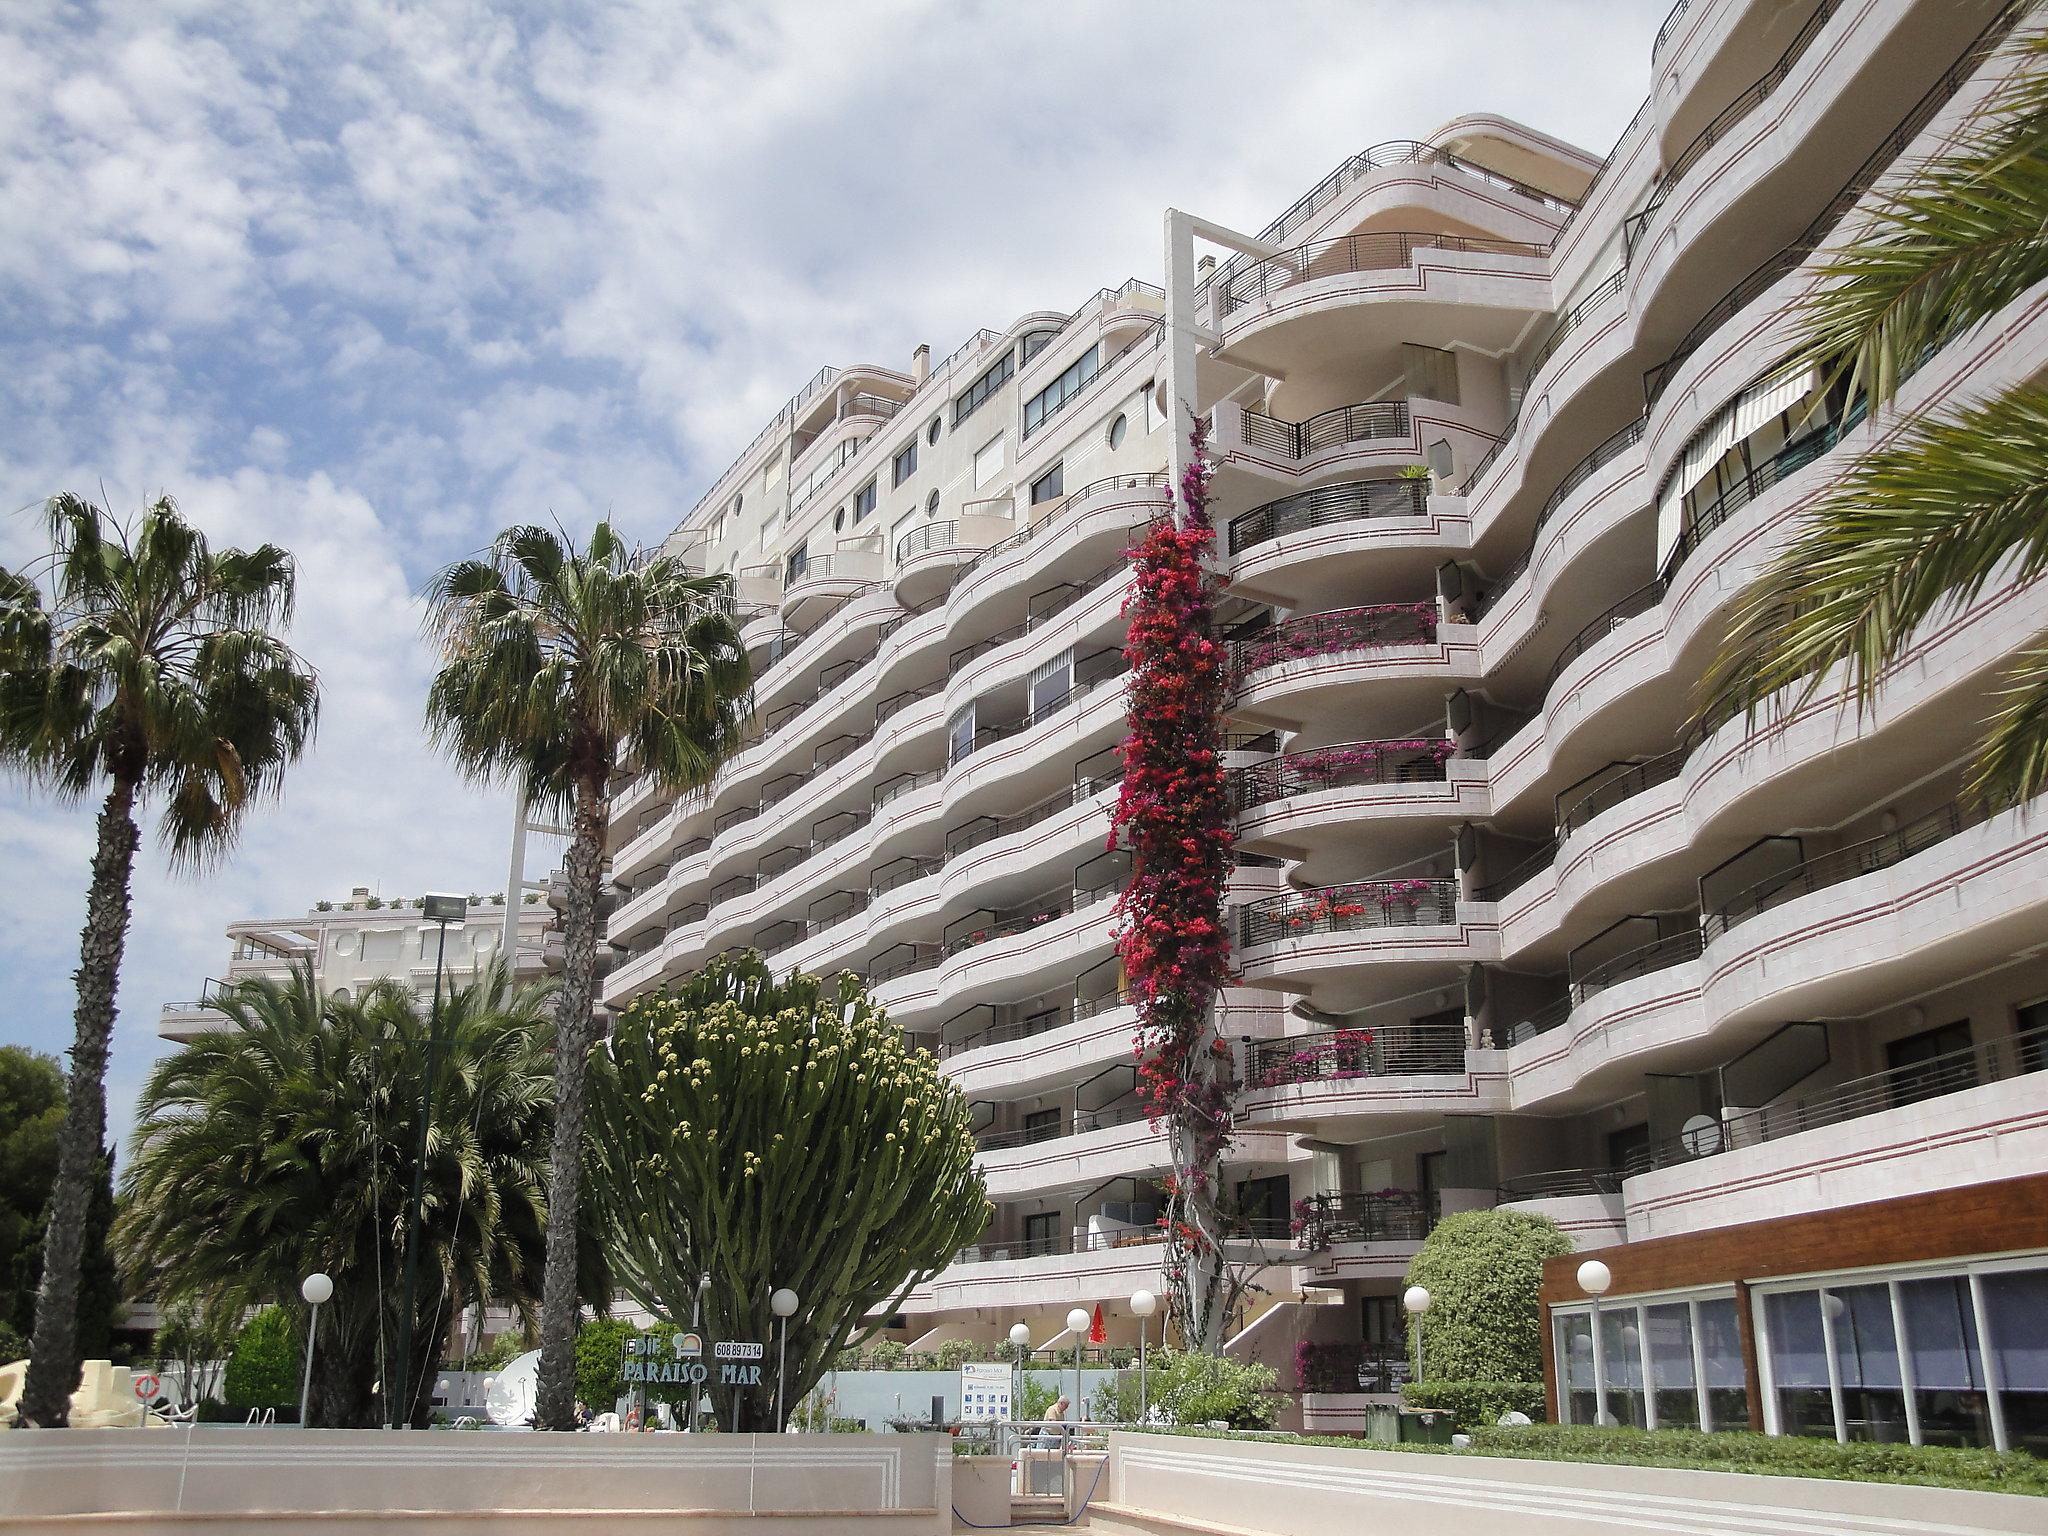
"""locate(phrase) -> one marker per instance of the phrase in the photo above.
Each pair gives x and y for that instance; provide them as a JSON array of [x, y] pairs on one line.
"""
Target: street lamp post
[[443, 910], [1077, 1324], [696, 1316], [1143, 1305], [783, 1304], [316, 1288], [1416, 1300], [1594, 1279], [1020, 1335]]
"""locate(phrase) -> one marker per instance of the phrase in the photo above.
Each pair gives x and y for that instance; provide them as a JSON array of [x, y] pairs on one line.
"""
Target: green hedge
[[263, 1370], [1484, 1270], [1477, 1404], [1765, 1455]]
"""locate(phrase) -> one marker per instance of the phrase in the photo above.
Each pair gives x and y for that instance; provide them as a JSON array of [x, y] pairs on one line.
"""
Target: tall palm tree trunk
[[555, 1405], [53, 1356]]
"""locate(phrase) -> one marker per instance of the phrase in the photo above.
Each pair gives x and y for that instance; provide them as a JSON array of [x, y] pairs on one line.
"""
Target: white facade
[[353, 943], [1501, 432]]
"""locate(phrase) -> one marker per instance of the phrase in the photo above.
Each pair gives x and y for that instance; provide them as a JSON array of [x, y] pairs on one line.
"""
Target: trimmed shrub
[[1198, 1389], [885, 1355], [1484, 1270], [1477, 1404], [263, 1371]]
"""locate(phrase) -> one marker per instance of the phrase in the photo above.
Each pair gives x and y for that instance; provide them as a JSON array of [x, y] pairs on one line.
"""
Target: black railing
[[1055, 601], [1637, 603], [901, 871], [1625, 782], [1789, 460], [901, 960], [1843, 864], [897, 702], [902, 784], [1540, 1021], [725, 890], [1382, 1216], [1363, 423], [1378, 251], [1155, 481], [986, 829], [1332, 634], [1335, 1055], [1407, 761], [1344, 908], [734, 817], [1572, 319], [1089, 673], [1346, 1368], [1579, 474], [1537, 858], [1657, 955], [1563, 1184], [1358, 500], [1817, 233], [1914, 1083], [1079, 1124]]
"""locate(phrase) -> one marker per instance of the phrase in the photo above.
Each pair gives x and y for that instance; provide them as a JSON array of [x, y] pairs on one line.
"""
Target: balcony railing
[[1538, 858], [1049, 604], [1575, 808], [1539, 1022], [1155, 481], [1363, 423], [1345, 908], [1657, 955], [1358, 500], [1638, 602], [1087, 784], [1331, 634], [1075, 1125], [1090, 672], [1338, 1055], [1563, 1184], [1407, 761], [1379, 251], [1787, 461], [1843, 864], [901, 960], [1092, 881], [1579, 474], [1344, 1368], [1993, 1061], [1382, 1216]]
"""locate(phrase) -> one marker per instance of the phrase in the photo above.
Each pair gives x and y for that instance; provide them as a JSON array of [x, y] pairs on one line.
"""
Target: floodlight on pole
[[783, 1304], [444, 910], [1020, 1337], [1594, 1278], [317, 1290], [1143, 1305], [1077, 1325], [1416, 1300]]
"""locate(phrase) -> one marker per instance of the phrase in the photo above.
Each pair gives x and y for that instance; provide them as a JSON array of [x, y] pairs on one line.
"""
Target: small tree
[[776, 1134], [1484, 1273], [263, 1371]]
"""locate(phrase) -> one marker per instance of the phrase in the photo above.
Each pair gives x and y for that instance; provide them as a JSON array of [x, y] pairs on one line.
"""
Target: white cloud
[[373, 279]]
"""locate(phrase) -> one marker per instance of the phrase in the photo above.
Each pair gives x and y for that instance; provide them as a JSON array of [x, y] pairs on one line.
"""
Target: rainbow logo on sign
[[687, 1346]]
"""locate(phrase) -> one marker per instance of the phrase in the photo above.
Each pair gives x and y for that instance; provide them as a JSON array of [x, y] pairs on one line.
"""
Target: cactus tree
[[776, 1134]]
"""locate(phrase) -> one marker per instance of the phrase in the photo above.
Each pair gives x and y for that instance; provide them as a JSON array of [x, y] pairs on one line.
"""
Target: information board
[[985, 1388]]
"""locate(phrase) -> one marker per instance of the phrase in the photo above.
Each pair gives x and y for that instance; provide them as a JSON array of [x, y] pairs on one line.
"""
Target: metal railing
[[1538, 858], [1572, 319], [1579, 474], [1333, 633], [1156, 480], [1362, 904], [1382, 1216], [1331, 1055], [923, 540], [1789, 460], [985, 829], [1366, 422], [1360, 1367], [1060, 598], [1069, 1125], [1637, 603], [1155, 328], [1089, 673], [1406, 761], [1894, 1088], [1657, 955], [1630, 780], [1360, 499], [1817, 233], [1843, 864], [1541, 1022], [900, 960], [1562, 1184], [1381, 250]]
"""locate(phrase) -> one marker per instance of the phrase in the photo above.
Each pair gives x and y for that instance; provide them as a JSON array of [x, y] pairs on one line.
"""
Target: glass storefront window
[[1721, 1361], [2016, 1313], [1669, 1330], [1948, 1373], [1799, 1365], [1622, 1359], [1574, 1346], [1867, 1361]]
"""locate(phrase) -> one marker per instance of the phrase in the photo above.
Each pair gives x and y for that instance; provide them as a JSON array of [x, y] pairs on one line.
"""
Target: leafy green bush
[[1477, 1404], [600, 1345], [499, 1352], [1038, 1396], [1116, 1399], [1484, 1270], [1776, 1455], [1199, 1389], [884, 1355], [13, 1344], [263, 1371]]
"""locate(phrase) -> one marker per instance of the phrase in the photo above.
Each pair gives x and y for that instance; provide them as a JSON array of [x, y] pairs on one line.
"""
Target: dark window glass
[[1049, 485], [1931, 1063], [2032, 1022], [906, 463], [1799, 1364], [1668, 1329], [799, 562], [1721, 1358], [1070, 383], [1041, 1125], [978, 392], [1867, 1358], [2016, 1312], [1036, 342], [1948, 1367], [864, 501], [1042, 1232]]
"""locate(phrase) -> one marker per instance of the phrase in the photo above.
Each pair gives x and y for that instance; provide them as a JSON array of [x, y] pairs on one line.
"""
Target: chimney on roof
[[1204, 265], [921, 362], [360, 893]]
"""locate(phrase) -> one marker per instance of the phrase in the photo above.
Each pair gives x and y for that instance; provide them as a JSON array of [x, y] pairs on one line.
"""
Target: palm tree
[[561, 666], [1952, 501], [283, 1143], [150, 668]]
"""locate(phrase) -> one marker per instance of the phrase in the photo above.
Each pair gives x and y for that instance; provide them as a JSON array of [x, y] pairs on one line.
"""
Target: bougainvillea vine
[[1173, 815]]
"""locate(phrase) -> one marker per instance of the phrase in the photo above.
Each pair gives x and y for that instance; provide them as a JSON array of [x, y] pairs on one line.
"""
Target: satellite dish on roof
[[510, 1398]]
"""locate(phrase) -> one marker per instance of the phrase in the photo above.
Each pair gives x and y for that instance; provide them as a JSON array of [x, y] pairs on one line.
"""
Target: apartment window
[[1929, 1064], [799, 562], [931, 505], [769, 471], [1431, 372], [1051, 484], [905, 464], [988, 463], [1117, 429], [736, 501], [978, 392], [932, 430], [1041, 1125], [863, 501], [768, 531], [1036, 342], [1072, 380], [2031, 1020], [1052, 681], [1042, 1229], [839, 519]]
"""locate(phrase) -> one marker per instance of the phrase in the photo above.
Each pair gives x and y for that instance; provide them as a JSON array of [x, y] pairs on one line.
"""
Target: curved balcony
[[823, 582], [1329, 804], [929, 556], [1328, 507], [1305, 673], [1350, 1083], [1359, 942], [1377, 251]]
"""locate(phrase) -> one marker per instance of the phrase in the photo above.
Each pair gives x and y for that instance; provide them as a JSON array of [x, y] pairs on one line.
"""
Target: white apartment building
[[366, 938], [1502, 430]]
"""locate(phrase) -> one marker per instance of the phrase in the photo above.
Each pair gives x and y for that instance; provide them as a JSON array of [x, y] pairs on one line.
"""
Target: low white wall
[[226, 1481], [1164, 1482]]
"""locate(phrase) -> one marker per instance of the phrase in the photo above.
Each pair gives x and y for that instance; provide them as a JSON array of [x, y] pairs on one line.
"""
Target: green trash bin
[[1425, 1426], [1382, 1423]]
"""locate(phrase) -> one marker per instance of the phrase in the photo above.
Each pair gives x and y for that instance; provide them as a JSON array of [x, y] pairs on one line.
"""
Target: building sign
[[985, 1387], [649, 1358]]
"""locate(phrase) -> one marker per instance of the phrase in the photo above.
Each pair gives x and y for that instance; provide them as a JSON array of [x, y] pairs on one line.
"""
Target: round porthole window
[[1117, 429], [931, 433], [931, 504]]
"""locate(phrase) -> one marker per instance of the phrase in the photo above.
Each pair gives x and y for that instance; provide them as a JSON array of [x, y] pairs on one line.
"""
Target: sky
[[373, 281]]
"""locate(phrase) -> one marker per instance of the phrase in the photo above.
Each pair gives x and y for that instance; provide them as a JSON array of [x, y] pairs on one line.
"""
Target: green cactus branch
[[776, 1133]]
